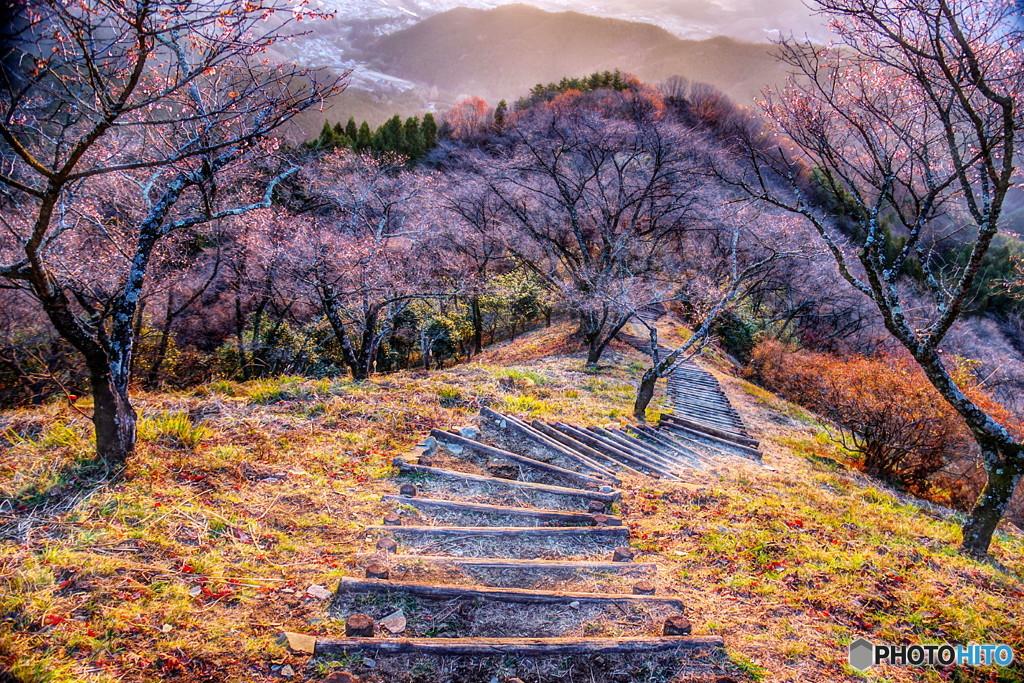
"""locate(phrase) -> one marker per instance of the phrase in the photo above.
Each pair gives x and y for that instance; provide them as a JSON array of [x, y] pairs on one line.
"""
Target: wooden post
[[359, 626], [643, 588], [408, 490], [623, 554], [677, 625], [392, 519], [377, 570]]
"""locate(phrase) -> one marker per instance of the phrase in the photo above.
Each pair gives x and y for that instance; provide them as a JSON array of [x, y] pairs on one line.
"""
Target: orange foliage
[[885, 409]]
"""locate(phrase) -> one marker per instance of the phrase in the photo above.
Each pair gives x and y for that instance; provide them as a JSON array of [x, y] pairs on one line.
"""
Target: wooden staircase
[[702, 417], [504, 546]]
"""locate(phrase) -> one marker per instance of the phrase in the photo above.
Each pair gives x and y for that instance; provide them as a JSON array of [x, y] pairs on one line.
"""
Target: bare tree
[[913, 125], [718, 269], [359, 255], [593, 193], [125, 121]]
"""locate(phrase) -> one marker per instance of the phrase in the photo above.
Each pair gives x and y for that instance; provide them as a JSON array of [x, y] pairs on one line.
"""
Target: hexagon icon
[[862, 654]]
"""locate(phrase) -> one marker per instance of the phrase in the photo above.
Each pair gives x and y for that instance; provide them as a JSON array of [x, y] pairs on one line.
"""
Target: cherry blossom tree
[[913, 123], [594, 192], [357, 249], [124, 122]]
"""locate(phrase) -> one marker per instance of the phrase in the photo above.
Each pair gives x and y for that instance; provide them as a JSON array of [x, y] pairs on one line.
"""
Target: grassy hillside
[[501, 53], [244, 495]]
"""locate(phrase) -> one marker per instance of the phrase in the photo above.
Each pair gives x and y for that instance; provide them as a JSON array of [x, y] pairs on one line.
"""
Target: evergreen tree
[[501, 116], [364, 139], [351, 129], [326, 139], [413, 137], [429, 131]]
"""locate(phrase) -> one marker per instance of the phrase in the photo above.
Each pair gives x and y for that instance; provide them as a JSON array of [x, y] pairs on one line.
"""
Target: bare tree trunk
[[478, 325], [114, 419], [989, 508], [645, 393]]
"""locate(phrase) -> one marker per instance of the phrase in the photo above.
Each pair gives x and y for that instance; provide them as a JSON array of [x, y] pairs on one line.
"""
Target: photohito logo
[[864, 654]]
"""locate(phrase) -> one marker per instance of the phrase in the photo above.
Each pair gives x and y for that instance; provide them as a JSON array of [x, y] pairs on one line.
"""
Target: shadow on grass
[[62, 490]]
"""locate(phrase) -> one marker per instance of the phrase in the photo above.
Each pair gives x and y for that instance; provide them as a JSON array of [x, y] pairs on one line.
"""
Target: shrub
[[884, 407]]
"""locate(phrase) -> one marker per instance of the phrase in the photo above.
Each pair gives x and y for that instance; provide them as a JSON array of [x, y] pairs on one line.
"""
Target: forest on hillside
[[188, 242]]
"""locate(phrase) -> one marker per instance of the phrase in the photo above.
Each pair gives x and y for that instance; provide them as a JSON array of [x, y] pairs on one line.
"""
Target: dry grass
[[242, 495]]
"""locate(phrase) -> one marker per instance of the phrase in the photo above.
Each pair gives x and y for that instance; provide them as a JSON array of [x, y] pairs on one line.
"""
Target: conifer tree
[[364, 139], [501, 117], [413, 137], [429, 131], [351, 129]]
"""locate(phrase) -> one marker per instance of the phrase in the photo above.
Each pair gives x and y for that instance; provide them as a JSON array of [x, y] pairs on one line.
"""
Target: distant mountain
[[753, 20], [501, 53]]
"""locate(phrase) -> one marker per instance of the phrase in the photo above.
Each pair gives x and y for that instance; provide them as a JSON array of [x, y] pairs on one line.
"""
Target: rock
[[623, 554], [392, 519], [469, 433], [575, 604], [502, 470], [408, 490], [287, 671], [319, 592], [297, 642], [387, 544], [394, 622], [454, 448], [377, 570], [429, 445], [606, 489], [677, 626], [370, 663], [341, 677], [425, 461], [643, 588], [359, 626]]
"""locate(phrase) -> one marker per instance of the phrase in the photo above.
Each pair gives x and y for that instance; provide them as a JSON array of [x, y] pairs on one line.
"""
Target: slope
[[248, 502]]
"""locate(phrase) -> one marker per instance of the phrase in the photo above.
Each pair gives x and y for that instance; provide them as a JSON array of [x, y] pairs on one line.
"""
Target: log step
[[521, 647], [515, 595], [697, 435], [522, 460], [555, 516], [512, 563], [715, 430], [454, 475], [610, 533]]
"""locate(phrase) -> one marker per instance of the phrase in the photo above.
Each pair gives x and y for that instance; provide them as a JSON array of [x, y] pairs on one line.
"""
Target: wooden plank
[[608, 532], [528, 486], [493, 452], [514, 595], [721, 433], [580, 459], [712, 419], [520, 647], [664, 439], [510, 563], [671, 453], [699, 434], [641, 449], [558, 516], [639, 460], [579, 445]]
